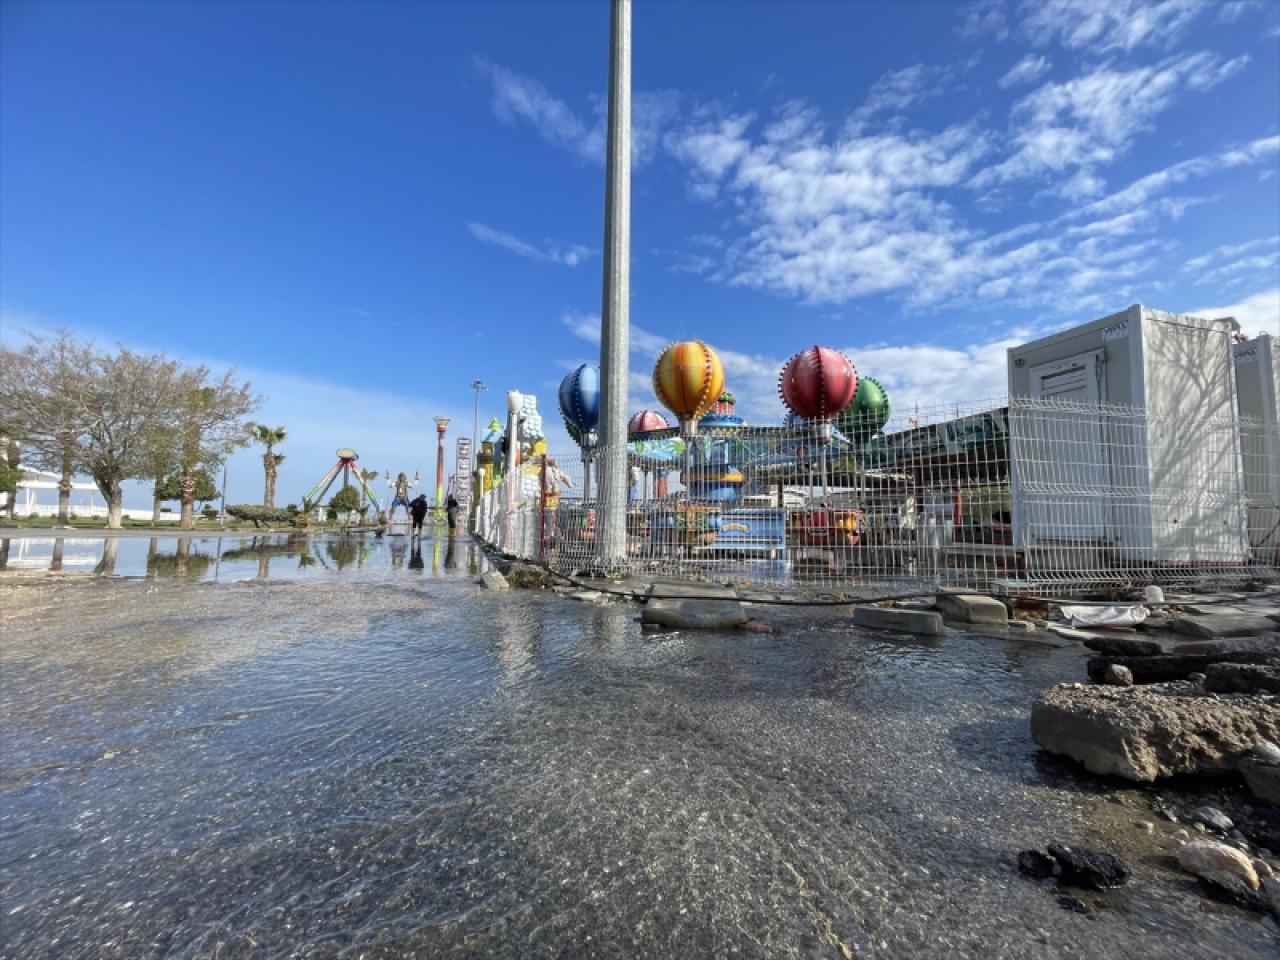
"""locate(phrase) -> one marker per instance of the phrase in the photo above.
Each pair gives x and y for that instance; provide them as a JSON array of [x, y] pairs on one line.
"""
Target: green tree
[[43, 391], [127, 406], [170, 488], [9, 478], [209, 425], [269, 437], [366, 477], [346, 499]]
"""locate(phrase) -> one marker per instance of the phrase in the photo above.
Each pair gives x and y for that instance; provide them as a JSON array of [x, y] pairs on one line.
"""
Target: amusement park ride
[[346, 466], [733, 474]]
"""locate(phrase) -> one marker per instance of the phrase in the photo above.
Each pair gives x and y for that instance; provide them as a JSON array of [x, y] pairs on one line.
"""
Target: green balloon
[[867, 414]]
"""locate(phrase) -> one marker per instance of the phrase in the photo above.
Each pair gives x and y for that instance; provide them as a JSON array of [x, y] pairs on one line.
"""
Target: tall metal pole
[[441, 424], [222, 511], [477, 386], [611, 523]]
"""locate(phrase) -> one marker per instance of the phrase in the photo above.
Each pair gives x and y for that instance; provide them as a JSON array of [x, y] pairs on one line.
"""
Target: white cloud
[[1027, 70], [1103, 26], [1259, 313], [986, 18], [570, 255], [1085, 123], [520, 99]]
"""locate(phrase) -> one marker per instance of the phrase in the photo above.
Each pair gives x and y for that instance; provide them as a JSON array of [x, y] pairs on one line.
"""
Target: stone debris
[[1158, 730], [1218, 863]]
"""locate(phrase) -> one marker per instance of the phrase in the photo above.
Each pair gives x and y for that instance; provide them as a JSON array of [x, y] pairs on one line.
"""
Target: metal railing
[[1025, 496]]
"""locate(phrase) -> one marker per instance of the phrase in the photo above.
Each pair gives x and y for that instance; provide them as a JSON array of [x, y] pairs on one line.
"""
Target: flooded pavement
[[376, 758]]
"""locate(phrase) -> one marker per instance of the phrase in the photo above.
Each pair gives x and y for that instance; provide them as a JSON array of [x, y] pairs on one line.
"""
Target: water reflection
[[262, 557]]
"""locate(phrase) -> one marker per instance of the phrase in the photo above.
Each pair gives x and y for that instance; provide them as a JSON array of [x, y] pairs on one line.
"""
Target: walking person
[[418, 511], [451, 510]]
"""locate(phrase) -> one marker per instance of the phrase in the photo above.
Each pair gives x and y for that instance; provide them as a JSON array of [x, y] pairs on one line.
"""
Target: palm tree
[[270, 460], [367, 477]]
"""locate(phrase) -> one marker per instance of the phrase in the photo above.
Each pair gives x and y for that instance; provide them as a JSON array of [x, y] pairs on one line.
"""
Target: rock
[[1123, 647], [1196, 678], [971, 608], [1266, 750], [757, 626], [1171, 666], [1142, 733], [1213, 625], [588, 596], [528, 576], [1262, 778], [698, 606], [1089, 868], [694, 614], [1021, 626], [1242, 678], [1216, 862], [1271, 889], [924, 622], [1072, 904], [1035, 864], [493, 580], [1118, 676], [1213, 817]]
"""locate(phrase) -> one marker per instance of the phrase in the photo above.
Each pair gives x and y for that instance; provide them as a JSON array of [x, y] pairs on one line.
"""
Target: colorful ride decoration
[[823, 526], [688, 378], [867, 414], [646, 421], [817, 384], [721, 413], [580, 399]]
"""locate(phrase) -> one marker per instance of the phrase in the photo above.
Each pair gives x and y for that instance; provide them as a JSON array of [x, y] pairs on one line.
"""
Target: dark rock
[[1235, 892], [1173, 666], [1094, 869], [1035, 864], [1262, 778], [1213, 817], [1242, 678], [1123, 647], [1074, 905], [1118, 676]]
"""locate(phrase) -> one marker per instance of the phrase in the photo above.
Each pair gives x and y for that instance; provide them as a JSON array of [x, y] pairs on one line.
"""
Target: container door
[[1060, 456]]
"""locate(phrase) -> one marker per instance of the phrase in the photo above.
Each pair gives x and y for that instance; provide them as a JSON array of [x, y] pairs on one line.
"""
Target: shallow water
[[369, 758]]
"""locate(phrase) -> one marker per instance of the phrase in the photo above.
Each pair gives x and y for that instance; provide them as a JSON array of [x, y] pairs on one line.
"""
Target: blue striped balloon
[[580, 397]]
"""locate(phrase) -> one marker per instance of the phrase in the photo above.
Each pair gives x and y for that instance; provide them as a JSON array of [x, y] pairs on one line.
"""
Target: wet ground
[[315, 748]]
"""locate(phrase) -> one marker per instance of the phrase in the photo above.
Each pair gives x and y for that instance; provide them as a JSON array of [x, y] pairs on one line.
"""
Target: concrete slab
[[926, 622], [971, 608], [1222, 625], [692, 606]]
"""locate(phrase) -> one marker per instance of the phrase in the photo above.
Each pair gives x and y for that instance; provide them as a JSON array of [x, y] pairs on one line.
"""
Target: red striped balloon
[[688, 379], [818, 383]]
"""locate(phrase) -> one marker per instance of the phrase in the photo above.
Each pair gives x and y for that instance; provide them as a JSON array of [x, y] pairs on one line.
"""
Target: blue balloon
[[580, 397]]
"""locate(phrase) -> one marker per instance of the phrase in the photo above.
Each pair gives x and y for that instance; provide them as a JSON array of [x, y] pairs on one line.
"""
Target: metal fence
[[1041, 496]]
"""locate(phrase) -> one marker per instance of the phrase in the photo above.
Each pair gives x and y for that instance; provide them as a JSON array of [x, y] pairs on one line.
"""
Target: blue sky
[[364, 207]]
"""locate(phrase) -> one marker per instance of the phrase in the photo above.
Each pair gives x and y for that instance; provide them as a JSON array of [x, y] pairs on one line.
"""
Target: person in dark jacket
[[418, 511], [451, 509]]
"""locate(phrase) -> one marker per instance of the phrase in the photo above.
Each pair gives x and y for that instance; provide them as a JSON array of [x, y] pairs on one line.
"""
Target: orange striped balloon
[[688, 378]]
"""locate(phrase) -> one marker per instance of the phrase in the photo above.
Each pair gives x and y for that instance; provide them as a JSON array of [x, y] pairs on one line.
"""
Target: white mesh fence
[[1034, 495]]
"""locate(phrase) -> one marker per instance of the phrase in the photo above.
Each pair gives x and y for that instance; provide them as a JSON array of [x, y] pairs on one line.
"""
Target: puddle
[[230, 558]]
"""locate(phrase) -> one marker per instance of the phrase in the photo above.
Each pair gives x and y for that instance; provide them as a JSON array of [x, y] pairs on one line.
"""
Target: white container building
[[1124, 445]]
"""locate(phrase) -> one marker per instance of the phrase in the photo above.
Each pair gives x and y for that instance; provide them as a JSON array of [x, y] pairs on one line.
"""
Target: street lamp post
[[477, 386], [441, 424]]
